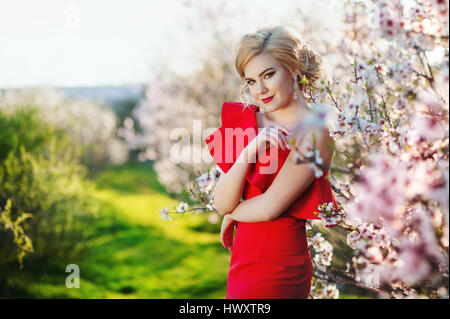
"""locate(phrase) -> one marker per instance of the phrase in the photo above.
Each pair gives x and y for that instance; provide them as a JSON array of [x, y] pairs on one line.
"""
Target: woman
[[270, 255]]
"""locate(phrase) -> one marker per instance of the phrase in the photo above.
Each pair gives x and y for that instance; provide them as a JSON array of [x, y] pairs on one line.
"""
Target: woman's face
[[267, 78]]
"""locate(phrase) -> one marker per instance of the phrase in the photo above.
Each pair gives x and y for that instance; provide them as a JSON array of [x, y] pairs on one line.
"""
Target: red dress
[[268, 259]]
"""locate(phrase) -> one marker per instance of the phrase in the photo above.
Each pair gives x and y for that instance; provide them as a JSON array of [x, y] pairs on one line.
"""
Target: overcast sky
[[88, 42]]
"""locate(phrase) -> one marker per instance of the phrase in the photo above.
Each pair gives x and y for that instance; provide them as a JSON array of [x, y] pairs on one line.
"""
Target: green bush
[[52, 189], [39, 176], [24, 127]]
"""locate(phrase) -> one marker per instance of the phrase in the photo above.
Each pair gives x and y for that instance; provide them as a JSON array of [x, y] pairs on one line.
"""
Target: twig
[[430, 77], [345, 280], [192, 209], [424, 75], [370, 104], [195, 195], [336, 190], [340, 170], [387, 117], [332, 98], [385, 111]]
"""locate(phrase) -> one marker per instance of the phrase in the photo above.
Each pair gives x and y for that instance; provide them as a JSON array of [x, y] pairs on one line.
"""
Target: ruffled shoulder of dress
[[226, 143], [236, 114]]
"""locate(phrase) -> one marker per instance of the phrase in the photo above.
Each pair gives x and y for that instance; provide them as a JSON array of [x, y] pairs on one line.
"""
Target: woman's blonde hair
[[286, 46]]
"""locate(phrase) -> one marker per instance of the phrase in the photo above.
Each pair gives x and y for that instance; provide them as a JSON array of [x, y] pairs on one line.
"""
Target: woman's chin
[[269, 107], [272, 107]]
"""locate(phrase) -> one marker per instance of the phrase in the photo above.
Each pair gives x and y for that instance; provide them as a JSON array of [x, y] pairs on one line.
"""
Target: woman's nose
[[261, 87]]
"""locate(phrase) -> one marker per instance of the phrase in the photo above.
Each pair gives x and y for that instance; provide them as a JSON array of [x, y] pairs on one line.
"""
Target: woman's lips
[[268, 99]]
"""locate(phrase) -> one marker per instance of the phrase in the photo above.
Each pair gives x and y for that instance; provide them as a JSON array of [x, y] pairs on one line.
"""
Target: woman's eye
[[267, 76]]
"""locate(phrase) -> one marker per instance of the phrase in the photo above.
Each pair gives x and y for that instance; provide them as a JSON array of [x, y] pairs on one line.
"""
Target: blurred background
[[76, 77]]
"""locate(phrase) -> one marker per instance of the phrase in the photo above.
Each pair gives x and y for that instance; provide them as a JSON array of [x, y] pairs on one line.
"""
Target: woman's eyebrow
[[262, 72]]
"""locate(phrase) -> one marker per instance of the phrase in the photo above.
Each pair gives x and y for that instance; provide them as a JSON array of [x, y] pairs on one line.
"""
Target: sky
[[90, 42]]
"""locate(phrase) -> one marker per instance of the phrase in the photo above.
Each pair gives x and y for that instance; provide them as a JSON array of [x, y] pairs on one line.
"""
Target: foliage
[[52, 190], [23, 242], [44, 191], [23, 127]]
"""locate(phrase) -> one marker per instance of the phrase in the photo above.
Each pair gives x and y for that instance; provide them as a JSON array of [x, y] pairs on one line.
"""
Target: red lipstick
[[268, 99]]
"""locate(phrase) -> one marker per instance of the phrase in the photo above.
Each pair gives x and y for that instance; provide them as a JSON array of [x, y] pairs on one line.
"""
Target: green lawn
[[133, 253]]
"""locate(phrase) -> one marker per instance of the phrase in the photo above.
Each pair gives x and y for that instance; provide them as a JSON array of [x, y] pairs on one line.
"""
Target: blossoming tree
[[386, 105]]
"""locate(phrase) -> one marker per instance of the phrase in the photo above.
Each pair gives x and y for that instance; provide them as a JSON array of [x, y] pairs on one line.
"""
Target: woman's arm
[[252, 210], [228, 190], [291, 181]]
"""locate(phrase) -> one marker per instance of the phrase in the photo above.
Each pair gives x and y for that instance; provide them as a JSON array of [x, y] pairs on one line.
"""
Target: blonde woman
[[262, 192]]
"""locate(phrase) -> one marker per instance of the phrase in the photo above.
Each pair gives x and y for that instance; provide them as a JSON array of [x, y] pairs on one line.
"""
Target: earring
[[295, 86]]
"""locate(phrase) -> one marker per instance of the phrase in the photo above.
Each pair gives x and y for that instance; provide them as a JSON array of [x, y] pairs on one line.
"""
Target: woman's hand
[[227, 231], [272, 134]]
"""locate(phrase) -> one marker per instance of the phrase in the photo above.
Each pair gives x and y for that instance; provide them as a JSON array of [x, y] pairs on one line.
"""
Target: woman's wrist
[[227, 218]]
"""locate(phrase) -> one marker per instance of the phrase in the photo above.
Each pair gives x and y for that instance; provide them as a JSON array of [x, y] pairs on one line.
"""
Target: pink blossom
[[413, 264], [424, 127], [401, 103], [428, 101], [374, 254]]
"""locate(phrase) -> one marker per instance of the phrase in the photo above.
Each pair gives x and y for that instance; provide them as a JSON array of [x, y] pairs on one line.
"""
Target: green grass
[[130, 178], [133, 253]]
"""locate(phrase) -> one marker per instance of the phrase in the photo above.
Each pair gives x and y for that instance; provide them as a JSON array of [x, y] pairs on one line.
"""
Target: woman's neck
[[289, 115]]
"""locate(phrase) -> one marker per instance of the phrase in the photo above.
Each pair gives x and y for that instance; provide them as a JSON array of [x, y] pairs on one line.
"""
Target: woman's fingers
[[226, 236], [223, 239], [228, 243], [279, 137], [281, 128], [272, 139], [284, 129], [274, 134], [284, 137]]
